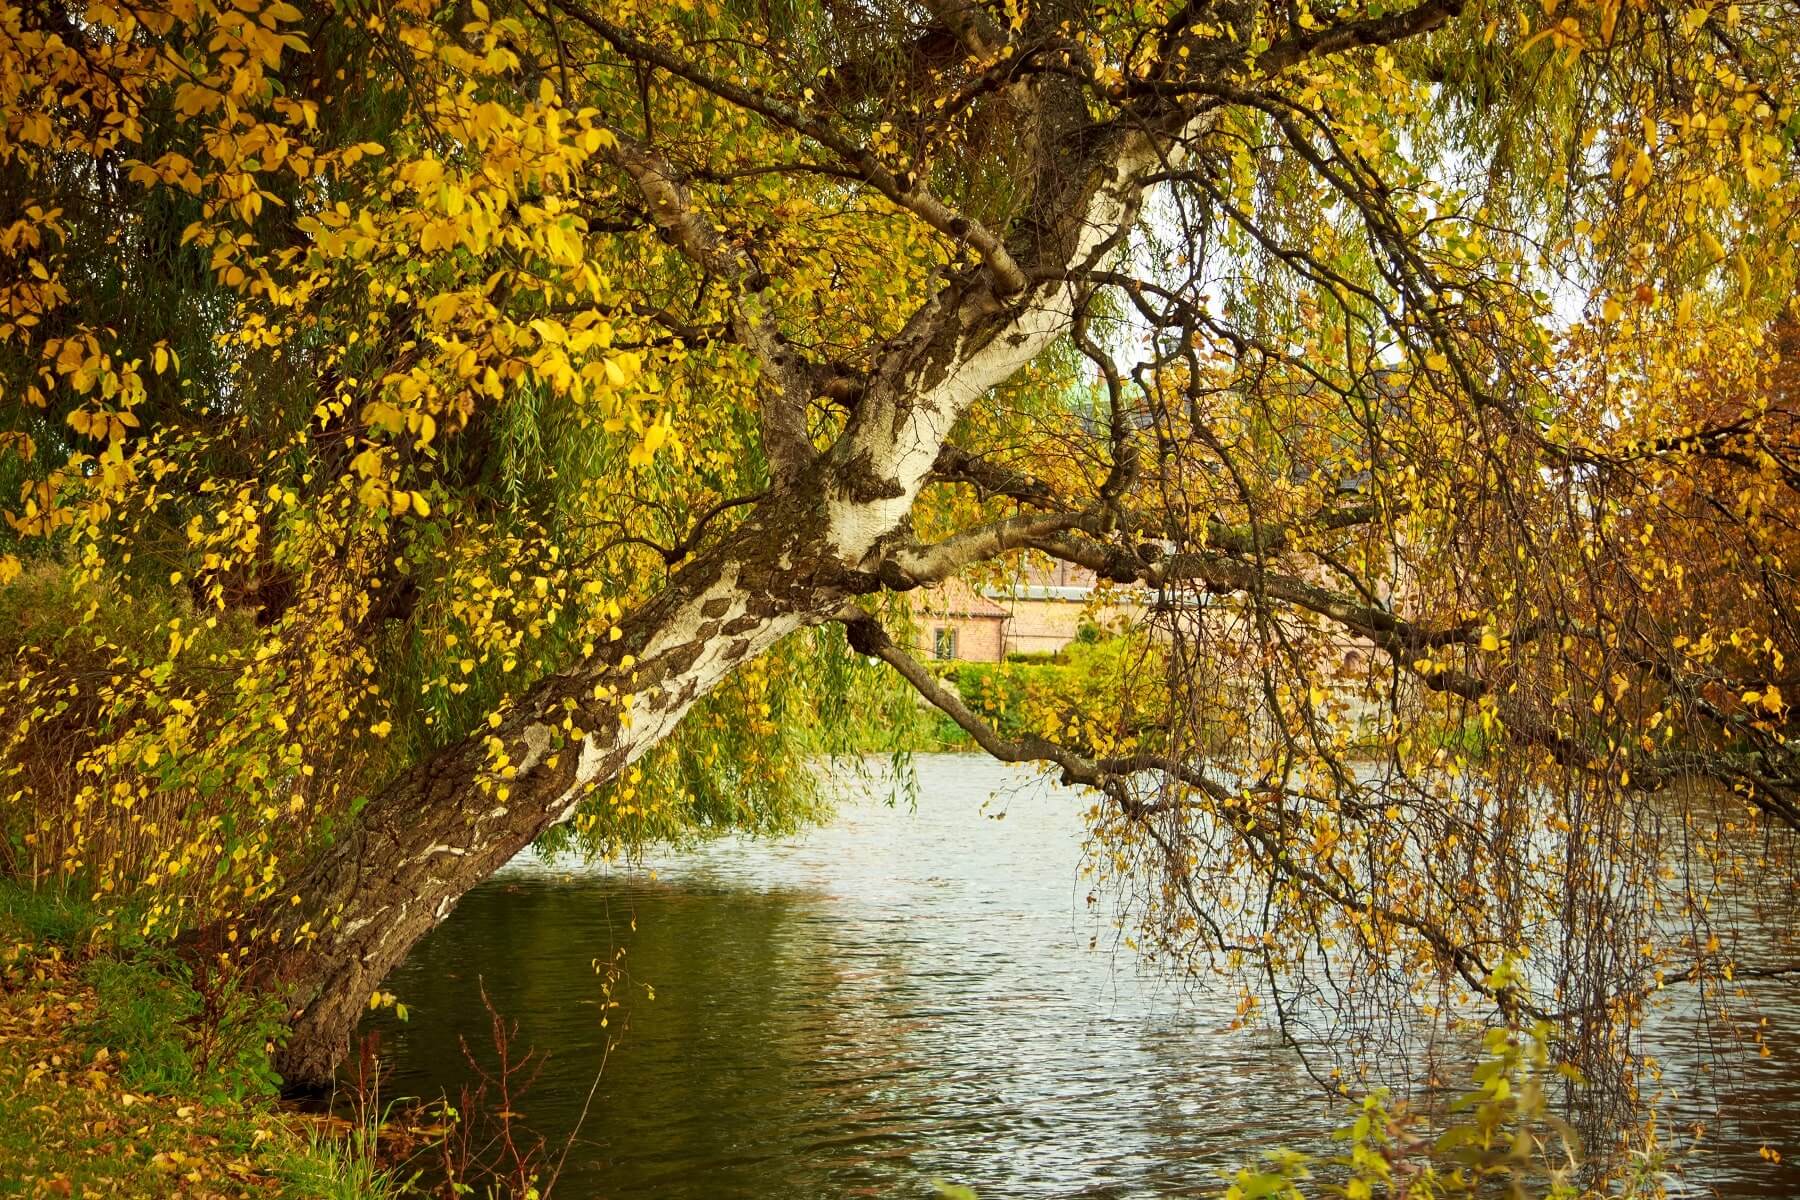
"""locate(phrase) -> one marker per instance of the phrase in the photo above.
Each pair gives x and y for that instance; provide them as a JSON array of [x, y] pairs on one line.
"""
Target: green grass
[[119, 1077], [50, 916], [328, 1167]]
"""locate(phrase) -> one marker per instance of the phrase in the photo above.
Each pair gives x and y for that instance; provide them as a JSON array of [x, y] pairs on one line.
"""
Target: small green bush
[[174, 1036], [1099, 680]]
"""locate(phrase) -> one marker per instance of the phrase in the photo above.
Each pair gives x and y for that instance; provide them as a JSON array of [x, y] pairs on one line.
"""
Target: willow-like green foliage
[[339, 418], [1418, 377]]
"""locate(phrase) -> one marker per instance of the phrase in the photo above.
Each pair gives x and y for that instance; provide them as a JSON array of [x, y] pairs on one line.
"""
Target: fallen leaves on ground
[[68, 1126]]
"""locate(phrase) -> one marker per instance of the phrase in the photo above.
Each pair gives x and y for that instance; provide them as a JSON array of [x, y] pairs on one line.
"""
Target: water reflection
[[901, 996]]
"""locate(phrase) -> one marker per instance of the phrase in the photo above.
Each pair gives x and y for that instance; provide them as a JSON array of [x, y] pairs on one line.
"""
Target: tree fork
[[812, 543]]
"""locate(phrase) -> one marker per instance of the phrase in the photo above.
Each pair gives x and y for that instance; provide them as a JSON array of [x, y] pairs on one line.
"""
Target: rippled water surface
[[904, 995]]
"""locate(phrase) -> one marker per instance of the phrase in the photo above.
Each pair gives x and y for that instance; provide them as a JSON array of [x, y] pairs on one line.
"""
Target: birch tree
[[435, 424]]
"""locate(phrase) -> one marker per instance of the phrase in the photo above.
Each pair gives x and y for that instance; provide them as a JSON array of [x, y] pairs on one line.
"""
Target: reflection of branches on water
[[1350, 980], [1376, 740]]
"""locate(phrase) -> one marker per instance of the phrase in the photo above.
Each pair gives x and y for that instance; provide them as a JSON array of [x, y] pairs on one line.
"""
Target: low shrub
[[178, 1029], [1088, 687]]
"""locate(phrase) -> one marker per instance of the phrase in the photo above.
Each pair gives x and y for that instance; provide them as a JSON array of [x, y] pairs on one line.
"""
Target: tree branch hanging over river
[[435, 425]]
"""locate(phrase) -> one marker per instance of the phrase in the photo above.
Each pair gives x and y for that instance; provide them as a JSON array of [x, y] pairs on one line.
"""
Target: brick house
[[1047, 605], [954, 621], [1039, 611]]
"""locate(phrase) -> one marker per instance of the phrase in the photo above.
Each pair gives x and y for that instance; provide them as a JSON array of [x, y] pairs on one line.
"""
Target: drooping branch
[[1111, 776], [866, 636]]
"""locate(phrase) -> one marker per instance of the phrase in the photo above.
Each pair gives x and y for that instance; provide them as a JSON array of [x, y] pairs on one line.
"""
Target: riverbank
[[911, 993], [111, 1085]]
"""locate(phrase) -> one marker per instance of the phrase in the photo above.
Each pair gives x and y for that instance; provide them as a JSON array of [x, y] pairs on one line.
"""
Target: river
[[909, 993]]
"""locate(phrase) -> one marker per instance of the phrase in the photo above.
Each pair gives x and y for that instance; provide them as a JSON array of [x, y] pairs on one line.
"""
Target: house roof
[[955, 598]]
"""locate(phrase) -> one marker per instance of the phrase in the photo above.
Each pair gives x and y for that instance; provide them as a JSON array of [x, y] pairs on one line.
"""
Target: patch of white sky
[[1160, 251]]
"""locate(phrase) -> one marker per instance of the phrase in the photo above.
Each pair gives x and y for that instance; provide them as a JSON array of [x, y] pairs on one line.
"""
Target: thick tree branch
[[1371, 31], [910, 193], [917, 565]]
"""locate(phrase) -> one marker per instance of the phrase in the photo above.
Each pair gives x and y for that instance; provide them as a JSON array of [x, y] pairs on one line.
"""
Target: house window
[[943, 643]]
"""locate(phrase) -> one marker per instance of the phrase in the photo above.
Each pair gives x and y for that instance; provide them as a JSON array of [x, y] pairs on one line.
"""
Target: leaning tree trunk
[[451, 821], [818, 540]]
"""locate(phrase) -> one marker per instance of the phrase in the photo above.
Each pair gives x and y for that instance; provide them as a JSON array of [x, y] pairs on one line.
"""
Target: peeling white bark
[[654, 713], [684, 626], [903, 442], [905, 447], [538, 739]]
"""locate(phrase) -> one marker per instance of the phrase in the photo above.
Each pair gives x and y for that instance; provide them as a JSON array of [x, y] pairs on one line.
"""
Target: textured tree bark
[[817, 540], [452, 820]]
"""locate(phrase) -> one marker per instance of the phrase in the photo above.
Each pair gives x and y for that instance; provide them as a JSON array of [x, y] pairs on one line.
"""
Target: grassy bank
[[119, 1077]]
